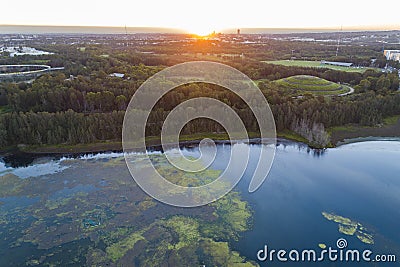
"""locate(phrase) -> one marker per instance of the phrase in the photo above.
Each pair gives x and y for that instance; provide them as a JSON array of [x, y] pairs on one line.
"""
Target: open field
[[300, 84], [316, 64]]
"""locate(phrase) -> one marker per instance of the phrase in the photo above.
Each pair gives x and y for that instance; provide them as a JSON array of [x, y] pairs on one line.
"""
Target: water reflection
[[358, 181]]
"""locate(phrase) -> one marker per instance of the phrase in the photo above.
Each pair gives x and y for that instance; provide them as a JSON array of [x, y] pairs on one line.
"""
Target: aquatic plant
[[350, 227]]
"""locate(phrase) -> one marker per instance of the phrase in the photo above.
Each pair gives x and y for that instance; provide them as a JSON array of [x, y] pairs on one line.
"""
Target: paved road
[[349, 92]]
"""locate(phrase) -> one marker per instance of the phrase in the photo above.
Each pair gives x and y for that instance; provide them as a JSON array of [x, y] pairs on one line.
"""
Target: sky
[[205, 16]]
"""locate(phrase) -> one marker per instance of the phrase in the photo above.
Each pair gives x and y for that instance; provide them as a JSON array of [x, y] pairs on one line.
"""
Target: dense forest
[[85, 104]]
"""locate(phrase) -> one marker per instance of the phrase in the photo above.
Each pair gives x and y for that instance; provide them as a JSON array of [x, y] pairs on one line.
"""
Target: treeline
[[72, 127], [52, 93], [368, 109], [59, 128]]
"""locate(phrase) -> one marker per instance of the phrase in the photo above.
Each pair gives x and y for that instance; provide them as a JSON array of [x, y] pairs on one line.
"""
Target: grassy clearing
[[286, 134], [391, 120], [389, 128], [39, 61], [344, 128], [315, 64]]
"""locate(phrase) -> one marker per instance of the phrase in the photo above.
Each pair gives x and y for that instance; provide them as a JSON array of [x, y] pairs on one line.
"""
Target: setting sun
[[200, 29]]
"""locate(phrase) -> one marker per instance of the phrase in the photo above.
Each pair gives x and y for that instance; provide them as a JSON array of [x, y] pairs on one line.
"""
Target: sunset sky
[[204, 16]]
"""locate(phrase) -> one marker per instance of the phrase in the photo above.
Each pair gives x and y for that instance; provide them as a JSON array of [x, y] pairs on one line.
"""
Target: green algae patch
[[347, 229], [234, 211], [219, 254], [184, 178], [11, 185], [182, 242], [338, 219], [350, 227], [63, 214], [119, 249], [146, 204], [187, 230], [55, 204], [365, 237]]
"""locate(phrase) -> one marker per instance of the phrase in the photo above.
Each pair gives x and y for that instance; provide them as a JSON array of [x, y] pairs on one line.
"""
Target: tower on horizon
[[238, 31], [338, 42]]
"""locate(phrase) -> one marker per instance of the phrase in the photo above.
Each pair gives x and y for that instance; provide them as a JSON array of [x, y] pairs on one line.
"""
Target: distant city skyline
[[204, 17]]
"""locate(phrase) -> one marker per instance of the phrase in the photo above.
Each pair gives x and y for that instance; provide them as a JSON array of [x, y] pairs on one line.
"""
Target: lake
[[310, 199], [359, 181]]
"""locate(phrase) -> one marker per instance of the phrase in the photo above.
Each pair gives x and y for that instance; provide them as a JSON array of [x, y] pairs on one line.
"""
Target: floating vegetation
[[347, 229], [33, 262], [184, 178], [219, 254], [350, 227], [365, 237], [146, 204], [117, 224], [187, 230], [234, 211], [54, 204], [181, 240], [11, 185], [119, 249]]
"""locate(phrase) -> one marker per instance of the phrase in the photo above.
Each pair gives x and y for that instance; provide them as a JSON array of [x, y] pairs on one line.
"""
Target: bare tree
[[314, 133]]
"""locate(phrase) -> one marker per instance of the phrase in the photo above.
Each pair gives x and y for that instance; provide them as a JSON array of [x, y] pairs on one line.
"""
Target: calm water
[[360, 181]]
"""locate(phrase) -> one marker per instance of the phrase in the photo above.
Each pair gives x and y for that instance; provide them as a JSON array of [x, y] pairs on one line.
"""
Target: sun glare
[[200, 30]]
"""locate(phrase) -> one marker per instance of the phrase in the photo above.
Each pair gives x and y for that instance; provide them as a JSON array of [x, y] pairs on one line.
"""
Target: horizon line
[[154, 29]]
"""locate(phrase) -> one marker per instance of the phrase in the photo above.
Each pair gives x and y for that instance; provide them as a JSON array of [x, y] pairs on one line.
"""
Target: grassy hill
[[301, 84]]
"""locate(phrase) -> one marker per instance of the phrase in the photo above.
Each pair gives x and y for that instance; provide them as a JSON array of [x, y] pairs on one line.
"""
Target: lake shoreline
[[116, 146], [339, 136], [24, 158], [154, 144]]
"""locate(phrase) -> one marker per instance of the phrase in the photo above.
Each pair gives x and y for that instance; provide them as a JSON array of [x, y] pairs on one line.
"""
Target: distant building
[[116, 74], [231, 56], [334, 63], [392, 55], [238, 31]]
